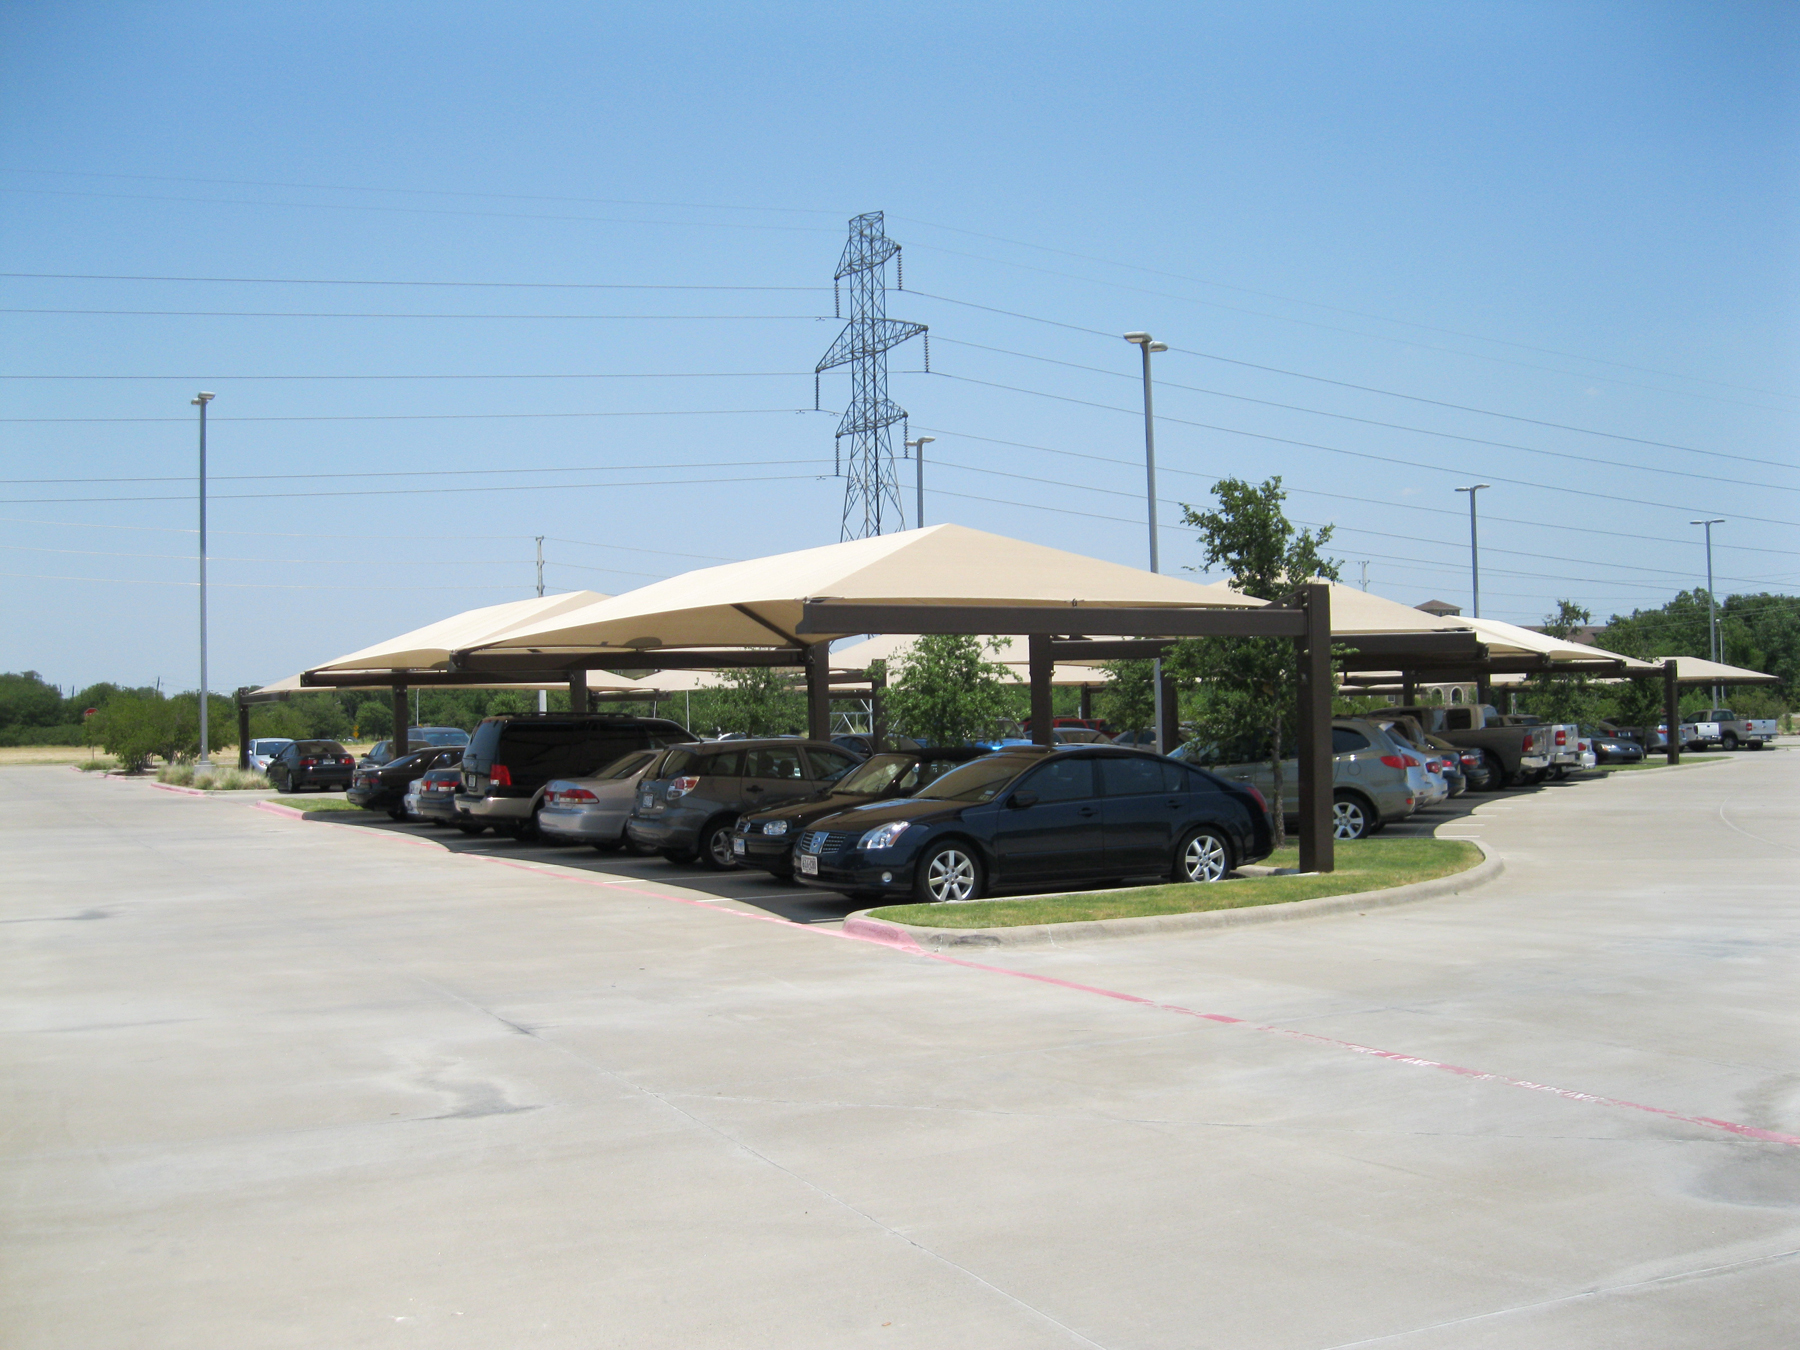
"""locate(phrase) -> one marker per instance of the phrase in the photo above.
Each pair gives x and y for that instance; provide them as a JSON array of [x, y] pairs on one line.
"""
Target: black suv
[[509, 760]]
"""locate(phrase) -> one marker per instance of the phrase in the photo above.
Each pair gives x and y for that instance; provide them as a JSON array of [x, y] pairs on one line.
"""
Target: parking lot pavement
[[272, 1083]]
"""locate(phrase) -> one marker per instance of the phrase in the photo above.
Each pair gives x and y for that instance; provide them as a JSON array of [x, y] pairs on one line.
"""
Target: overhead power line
[[426, 492], [364, 281], [429, 417], [603, 375], [1372, 422], [1316, 304], [1356, 454], [434, 473], [1361, 388], [346, 314]]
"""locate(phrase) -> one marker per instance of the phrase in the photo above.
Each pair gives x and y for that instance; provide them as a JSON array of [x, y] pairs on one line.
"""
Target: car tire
[[286, 786], [950, 872], [679, 856], [397, 813], [468, 827], [1204, 857], [1728, 741], [1350, 816], [715, 846], [526, 831]]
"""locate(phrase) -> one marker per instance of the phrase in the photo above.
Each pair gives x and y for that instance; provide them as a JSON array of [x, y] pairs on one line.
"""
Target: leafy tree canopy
[[949, 692]]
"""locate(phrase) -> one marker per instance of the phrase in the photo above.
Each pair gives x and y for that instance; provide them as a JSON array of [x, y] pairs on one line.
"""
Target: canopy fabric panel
[[1698, 670], [1510, 639], [429, 648], [758, 603], [1354, 611]]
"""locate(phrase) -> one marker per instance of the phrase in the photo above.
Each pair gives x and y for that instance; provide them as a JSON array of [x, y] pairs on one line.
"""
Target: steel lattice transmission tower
[[872, 484]]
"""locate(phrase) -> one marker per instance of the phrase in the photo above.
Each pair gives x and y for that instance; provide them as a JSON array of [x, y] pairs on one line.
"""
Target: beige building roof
[[758, 603]]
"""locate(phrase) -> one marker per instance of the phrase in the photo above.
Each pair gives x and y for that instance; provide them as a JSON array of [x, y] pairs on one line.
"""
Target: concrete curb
[[911, 937]]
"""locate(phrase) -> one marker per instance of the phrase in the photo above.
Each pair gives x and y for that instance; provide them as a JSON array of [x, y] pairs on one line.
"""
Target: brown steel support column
[[578, 691], [1313, 653], [1087, 702], [402, 720], [1671, 709], [818, 691], [1170, 730], [1484, 692], [243, 712], [1409, 688], [1043, 714], [878, 709]]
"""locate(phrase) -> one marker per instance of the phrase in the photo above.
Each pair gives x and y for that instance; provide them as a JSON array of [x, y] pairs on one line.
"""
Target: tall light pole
[[543, 694], [1146, 344], [1474, 547], [1713, 650], [918, 447], [204, 763]]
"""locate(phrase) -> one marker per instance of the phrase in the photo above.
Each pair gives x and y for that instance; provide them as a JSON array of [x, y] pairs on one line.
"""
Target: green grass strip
[[312, 804], [1362, 865]]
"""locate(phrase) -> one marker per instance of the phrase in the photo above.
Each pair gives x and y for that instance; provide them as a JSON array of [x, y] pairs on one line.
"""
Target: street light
[[1474, 547], [919, 445], [204, 763], [1713, 649], [1146, 344]]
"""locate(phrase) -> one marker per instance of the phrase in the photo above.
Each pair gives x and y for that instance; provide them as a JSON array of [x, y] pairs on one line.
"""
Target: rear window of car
[[1344, 741], [626, 765], [782, 762], [269, 747], [828, 766], [1131, 777], [437, 736], [319, 747]]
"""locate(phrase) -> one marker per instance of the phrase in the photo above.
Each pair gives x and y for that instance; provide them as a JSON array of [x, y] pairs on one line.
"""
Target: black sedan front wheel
[[285, 785], [1204, 856], [947, 874]]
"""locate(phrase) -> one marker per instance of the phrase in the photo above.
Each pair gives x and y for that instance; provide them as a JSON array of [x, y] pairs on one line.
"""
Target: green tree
[[1563, 698], [1251, 684], [757, 702], [1128, 700], [26, 701], [374, 719], [948, 692]]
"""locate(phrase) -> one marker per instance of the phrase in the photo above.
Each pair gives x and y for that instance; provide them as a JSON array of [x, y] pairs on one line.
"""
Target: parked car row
[[936, 824]]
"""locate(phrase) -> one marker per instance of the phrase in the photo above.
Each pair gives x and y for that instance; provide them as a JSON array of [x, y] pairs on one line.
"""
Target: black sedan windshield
[[876, 775], [979, 780]]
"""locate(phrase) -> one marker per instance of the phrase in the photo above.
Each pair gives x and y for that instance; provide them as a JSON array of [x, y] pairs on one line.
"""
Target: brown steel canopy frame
[[1307, 622]]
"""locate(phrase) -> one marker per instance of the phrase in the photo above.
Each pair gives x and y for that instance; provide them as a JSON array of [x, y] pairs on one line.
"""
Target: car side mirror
[[1022, 799]]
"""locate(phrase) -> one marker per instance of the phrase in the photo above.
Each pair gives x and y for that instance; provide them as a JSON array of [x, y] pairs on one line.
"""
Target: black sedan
[[1034, 817], [765, 839], [1613, 749], [325, 765], [383, 786]]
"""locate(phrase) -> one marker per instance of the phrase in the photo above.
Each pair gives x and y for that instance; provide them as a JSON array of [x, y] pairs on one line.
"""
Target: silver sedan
[[593, 810]]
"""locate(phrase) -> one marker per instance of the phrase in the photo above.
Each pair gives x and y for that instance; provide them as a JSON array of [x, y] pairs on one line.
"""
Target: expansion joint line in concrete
[[901, 943]]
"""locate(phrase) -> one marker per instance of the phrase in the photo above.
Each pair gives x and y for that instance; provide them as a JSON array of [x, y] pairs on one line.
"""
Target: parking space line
[[901, 942]]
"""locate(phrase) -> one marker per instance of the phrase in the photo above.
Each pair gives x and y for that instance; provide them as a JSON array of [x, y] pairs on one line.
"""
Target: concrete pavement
[[278, 1083]]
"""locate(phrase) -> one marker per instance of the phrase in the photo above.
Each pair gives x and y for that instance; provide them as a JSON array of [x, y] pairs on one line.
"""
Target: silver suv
[[1368, 775], [688, 809]]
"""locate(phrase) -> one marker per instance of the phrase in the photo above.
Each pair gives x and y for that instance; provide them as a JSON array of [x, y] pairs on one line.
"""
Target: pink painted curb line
[[876, 933]]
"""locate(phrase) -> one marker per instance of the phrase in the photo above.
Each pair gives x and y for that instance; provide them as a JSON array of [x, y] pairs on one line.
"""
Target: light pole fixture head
[[1159, 346], [1139, 338], [1475, 487], [921, 440], [201, 400], [1719, 521]]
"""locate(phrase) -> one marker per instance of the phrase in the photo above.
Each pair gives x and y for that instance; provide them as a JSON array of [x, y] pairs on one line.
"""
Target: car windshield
[[875, 775], [269, 747], [979, 780]]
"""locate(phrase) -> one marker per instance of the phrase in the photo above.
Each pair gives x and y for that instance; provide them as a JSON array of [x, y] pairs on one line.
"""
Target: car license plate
[[809, 865], [737, 845]]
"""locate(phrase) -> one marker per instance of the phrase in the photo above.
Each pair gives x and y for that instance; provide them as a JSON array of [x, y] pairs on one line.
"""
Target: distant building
[[1440, 609]]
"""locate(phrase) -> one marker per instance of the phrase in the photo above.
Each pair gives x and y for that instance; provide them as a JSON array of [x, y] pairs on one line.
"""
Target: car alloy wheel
[[1204, 858], [951, 876], [715, 847], [1349, 820]]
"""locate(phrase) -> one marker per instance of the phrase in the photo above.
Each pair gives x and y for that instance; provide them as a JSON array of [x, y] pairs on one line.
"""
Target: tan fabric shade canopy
[[429, 648], [758, 603], [1688, 670], [1510, 639], [1354, 611]]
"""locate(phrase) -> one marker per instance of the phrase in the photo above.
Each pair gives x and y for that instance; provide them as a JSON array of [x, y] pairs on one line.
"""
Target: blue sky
[[1573, 223]]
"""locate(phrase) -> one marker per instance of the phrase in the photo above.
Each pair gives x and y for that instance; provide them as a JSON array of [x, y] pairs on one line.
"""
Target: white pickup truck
[[1725, 729]]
